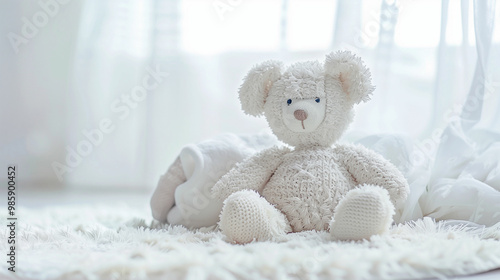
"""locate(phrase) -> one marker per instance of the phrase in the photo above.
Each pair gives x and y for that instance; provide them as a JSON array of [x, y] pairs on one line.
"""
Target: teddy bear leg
[[363, 212], [246, 216]]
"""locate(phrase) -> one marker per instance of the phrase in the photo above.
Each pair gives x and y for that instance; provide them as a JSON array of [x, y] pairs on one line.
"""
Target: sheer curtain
[[115, 131]]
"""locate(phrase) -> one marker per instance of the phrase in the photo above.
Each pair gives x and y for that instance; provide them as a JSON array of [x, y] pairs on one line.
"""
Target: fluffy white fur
[[343, 79], [308, 183], [254, 92], [118, 242]]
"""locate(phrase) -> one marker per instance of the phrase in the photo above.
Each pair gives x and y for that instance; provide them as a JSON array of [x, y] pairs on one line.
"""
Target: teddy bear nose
[[300, 115]]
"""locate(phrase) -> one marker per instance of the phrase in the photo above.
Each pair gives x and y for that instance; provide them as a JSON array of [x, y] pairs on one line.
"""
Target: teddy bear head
[[308, 103]]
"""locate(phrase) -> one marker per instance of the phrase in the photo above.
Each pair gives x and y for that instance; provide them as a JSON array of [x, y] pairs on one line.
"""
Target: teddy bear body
[[316, 184], [307, 187]]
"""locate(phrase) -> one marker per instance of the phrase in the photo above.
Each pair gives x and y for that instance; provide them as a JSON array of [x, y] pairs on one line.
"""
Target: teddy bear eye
[[317, 100], [289, 101]]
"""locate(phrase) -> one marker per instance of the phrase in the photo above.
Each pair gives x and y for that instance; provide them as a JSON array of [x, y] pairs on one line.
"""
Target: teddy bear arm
[[251, 174], [368, 167]]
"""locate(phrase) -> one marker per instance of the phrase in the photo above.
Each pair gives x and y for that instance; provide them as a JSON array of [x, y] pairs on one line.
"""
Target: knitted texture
[[307, 184], [246, 217], [309, 107], [363, 212]]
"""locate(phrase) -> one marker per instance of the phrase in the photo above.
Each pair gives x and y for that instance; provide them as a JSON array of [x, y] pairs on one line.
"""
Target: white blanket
[[183, 195], [456, 177]]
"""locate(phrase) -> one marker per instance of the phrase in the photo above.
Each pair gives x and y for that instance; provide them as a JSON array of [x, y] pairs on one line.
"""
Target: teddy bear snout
[[303, 114], [300, 115]]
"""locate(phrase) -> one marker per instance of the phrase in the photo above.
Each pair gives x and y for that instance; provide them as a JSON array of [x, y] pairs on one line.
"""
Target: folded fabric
[[456, 178], [465, 178], [183, 195]]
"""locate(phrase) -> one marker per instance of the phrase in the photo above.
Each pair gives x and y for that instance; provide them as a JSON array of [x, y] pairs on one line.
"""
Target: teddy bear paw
[[362, 213], [246, 216]]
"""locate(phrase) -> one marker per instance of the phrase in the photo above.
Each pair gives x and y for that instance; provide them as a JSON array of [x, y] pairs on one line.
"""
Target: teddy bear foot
[[362, 213], [246, 216]]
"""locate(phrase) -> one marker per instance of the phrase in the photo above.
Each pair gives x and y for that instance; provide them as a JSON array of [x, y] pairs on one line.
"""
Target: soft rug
[[120, 242]]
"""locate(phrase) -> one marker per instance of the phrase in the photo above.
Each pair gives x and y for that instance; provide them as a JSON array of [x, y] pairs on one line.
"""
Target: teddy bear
[[313, 182]]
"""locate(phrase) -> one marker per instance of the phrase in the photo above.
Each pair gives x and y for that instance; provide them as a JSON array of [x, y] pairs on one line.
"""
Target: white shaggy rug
[[118, 242]]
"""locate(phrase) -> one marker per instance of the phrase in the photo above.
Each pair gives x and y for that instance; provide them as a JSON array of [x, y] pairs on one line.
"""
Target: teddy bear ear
[[353, 74], [256, 85]]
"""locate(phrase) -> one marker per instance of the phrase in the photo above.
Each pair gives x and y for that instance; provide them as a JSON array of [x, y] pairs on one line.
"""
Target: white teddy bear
[[318, 185]]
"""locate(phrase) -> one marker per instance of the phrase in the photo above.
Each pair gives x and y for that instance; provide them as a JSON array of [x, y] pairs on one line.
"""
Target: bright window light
[[370, 23], [211, 27], [216, 26], [310, 24], [415, 31]]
